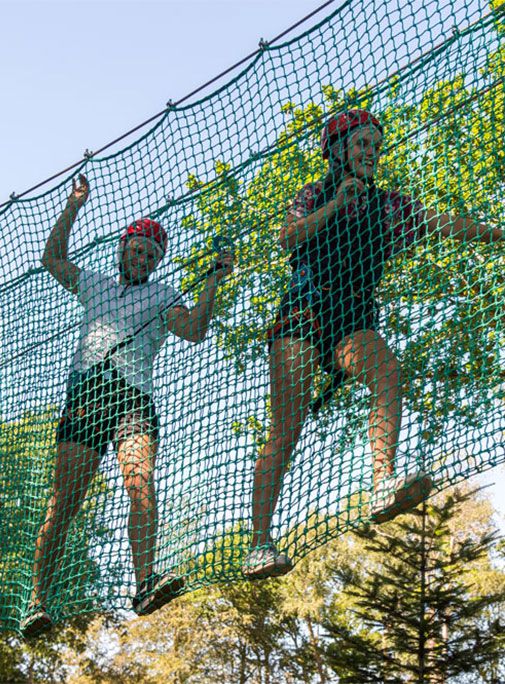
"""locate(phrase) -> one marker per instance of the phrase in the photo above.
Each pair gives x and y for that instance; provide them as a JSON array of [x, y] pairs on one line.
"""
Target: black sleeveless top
[[347, 256]]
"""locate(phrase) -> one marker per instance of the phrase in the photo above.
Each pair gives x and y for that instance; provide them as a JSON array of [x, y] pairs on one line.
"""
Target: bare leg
[[365, 356], [292, 364], [76, 465], [136, 457]]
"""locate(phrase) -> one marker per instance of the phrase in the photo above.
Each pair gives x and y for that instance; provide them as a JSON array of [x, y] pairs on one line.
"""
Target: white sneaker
[[266, 561], [395, 495]]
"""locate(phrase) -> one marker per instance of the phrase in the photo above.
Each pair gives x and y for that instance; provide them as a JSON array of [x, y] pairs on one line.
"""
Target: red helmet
[[149, 229], [340, 124]]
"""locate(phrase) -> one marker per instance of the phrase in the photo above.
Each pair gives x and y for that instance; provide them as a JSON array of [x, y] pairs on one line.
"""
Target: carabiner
[[220, 243]]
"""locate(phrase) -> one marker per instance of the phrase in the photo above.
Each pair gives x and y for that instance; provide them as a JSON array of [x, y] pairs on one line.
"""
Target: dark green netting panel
[[231, 165]]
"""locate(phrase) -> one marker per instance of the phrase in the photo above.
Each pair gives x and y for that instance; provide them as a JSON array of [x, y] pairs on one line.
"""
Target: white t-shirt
[[112, 312]]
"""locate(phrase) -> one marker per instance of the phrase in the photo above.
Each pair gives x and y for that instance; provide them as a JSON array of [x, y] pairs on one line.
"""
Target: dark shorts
[[324, 325], [102, 408]]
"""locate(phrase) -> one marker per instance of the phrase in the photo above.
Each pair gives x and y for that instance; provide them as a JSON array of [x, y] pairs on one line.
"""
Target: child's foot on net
[[266, 561], [36, 621], [155, 591], [395, 495]]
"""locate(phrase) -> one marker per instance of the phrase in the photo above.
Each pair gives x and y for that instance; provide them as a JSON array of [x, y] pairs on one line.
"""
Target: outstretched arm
[[55, 254], [193, 325], [464, 229]]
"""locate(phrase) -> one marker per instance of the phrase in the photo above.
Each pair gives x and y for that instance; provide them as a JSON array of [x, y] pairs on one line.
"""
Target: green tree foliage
[[44, 660], [417, 616], [443, 302], [312, 626], [27, 453], [233, 634]]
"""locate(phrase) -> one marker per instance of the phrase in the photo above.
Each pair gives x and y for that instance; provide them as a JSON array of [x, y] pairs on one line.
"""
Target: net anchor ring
[[13, 196], [263, 44], [88, 154], [220, 243]]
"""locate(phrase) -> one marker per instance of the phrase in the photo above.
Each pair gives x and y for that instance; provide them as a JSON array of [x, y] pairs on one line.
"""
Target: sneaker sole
[[38, 625], [265, 571], [161, 597], [405, 500]]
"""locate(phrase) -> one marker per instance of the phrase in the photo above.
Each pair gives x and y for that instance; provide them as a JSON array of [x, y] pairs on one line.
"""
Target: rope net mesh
[[233, 165]]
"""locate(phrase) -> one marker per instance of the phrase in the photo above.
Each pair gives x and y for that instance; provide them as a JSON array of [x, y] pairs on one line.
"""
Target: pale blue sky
[[76, 74]]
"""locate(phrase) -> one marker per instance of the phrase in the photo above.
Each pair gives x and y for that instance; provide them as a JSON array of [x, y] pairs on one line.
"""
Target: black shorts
[[325, 324], [101, 408]]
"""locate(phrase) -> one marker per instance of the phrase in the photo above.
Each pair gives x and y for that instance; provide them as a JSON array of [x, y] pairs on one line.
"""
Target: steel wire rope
[[171, 105], [273, 147], [250, 230], [263, 44], [214, 185]]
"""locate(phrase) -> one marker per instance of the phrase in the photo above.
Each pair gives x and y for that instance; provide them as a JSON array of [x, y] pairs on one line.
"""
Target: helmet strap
[[340, 167], [129, 282]]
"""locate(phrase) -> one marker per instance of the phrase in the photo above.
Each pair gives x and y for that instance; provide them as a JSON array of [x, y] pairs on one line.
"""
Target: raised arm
[[299, 229], [192, 325], [55, 254], [460, 228]]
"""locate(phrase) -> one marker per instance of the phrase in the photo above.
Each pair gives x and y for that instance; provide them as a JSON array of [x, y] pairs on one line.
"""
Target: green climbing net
[[230, 164]]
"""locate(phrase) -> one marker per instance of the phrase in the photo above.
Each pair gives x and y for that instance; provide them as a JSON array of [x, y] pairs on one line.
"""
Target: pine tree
[[416, 618]]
